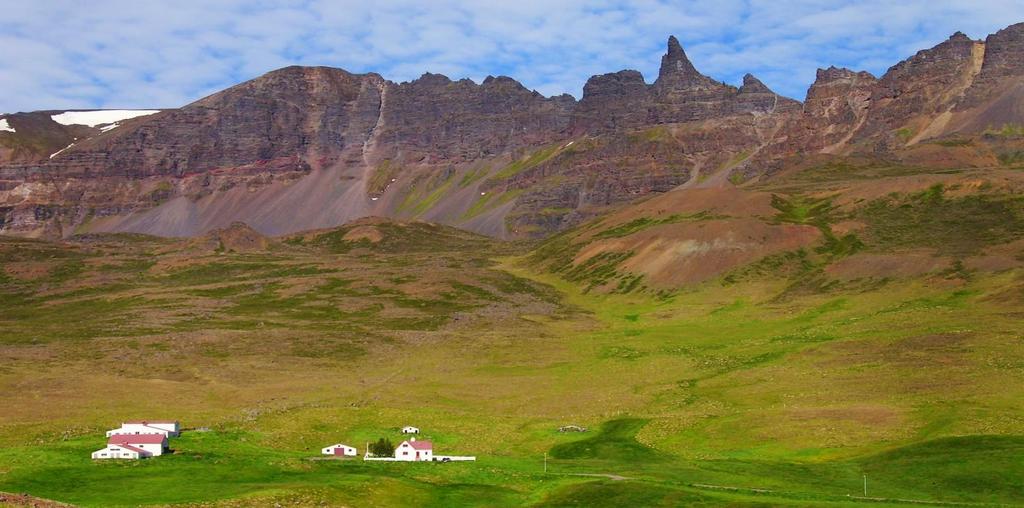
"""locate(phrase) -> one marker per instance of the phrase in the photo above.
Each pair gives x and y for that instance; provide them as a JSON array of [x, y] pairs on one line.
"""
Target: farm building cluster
[[138, 440], [143, 439], [409, 450]]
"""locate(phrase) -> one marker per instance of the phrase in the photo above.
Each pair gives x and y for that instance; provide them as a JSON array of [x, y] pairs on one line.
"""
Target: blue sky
[[141, 54]]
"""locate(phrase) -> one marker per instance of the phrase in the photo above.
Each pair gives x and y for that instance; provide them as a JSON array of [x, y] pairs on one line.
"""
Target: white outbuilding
[[120, 452], [409, 429], [340, 450], [132, 446], [413, 450], [165, 428]]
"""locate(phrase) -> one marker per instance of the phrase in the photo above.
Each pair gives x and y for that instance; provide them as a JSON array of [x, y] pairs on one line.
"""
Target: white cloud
[[150, 53]]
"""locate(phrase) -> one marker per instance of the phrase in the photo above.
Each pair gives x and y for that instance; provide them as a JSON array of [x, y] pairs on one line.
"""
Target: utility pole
[[545, 462], [865, 484]]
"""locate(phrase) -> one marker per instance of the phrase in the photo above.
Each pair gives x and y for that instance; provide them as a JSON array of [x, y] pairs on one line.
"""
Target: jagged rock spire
[[677, 70]]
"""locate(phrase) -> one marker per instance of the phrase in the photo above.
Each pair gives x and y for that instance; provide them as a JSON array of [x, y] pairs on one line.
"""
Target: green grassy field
[[740, 393]]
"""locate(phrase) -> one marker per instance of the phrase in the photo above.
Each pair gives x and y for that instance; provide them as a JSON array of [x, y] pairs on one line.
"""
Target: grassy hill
[[764, 345]]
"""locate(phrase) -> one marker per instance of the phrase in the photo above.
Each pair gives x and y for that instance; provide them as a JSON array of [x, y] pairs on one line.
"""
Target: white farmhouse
[[413, 450], [119, 452], [132, 446], [165, 428], [340, 450], [409, 429]]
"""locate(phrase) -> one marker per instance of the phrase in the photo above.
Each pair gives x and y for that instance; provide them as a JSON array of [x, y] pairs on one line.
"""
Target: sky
[[65, 54]]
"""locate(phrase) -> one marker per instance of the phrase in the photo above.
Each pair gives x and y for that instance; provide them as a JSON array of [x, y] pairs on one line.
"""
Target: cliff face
[[958, 86], [996, 95], [305, 147], [917, 90], [290, 112], [443, 120]]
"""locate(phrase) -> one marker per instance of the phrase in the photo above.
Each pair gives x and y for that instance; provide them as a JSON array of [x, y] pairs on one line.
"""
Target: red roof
[[421, 445], [140, 451], [147, 422], [123, 439]]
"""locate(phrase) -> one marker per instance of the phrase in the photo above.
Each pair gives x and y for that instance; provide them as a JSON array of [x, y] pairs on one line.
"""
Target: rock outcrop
[[238, 237], [995, 98], [622, 100], [836, 107], [611, 102], [917, 91]]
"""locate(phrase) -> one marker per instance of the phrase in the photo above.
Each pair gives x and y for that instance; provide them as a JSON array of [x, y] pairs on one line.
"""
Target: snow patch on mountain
[[101, 117], [61, 150], [6, 127]]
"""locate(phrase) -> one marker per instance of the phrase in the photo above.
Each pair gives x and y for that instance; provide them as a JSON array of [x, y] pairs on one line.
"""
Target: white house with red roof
[[340, 450], [132, 446], [166, 428], [413, 450]]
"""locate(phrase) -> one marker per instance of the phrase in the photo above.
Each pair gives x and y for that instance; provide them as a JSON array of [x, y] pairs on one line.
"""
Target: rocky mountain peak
[[431, 79], [753, 85], [624, 82], [675, 49], [677, 71], [504, 82], [833, 73]]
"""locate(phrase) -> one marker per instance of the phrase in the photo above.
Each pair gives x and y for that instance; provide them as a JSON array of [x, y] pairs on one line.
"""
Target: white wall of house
[[153, 449], [115, 452], [406, 452], [169, 429], [410, 430], [173, 428], [347, 451], [133, 430]]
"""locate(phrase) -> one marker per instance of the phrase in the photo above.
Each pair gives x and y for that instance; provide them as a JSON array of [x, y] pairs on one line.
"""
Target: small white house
[[119, 452], [409, 429], [165, 428], [413, 450], [132, 446], [340, 450]]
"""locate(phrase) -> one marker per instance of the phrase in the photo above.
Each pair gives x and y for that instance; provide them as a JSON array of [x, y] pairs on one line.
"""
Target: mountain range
[[312, 147]]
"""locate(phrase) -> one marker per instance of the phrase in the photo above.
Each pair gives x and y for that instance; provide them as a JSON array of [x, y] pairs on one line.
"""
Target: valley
[[792, 368]]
